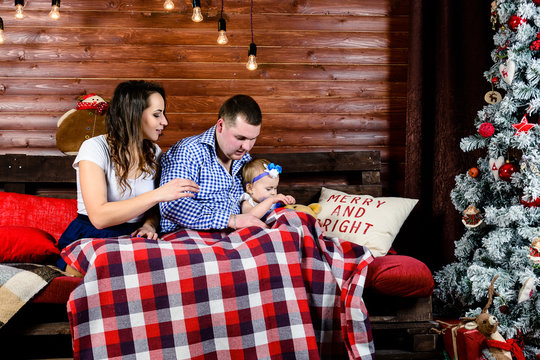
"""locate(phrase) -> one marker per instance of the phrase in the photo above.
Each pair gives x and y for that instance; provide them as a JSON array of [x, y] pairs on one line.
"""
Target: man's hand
[[245, 220]]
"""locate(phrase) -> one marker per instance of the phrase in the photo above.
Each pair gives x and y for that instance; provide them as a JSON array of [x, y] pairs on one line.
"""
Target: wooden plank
[[412, 327], [55, 169], [25, 121], [199, 122], [217, 71], [27, 139], [415, 310], [316, 162], [235, 22], [31, 169], [84, 36], [189, 53], [348, 7], [424, 342], [393, 155], [204, 104], [53, 328], [208, 87], [311, 138]]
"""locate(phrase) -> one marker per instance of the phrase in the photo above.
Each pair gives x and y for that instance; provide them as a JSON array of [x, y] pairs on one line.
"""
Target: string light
[[2, 37], [197, 15], [252, 54], [19, 13], [222, 28], [252, 57], [55, 10], [222, 32], [168, 5]]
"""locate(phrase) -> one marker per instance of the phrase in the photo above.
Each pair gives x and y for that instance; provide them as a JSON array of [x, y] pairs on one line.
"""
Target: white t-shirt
[[96, 150]]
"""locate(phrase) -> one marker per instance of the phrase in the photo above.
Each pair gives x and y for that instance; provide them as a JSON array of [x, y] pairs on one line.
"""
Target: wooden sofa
[[400, 324]]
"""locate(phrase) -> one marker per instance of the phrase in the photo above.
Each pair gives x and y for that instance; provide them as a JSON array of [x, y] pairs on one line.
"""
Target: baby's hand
[[286, 199], [289, 200]]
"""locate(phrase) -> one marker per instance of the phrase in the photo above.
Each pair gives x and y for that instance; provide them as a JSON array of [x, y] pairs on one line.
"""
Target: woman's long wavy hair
[[124, 129]]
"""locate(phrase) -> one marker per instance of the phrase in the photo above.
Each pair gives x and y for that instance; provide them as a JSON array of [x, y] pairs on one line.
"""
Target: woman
[[116, 172]]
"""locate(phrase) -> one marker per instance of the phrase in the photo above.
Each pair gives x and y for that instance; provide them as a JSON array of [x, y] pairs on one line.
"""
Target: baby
[[261, 179]]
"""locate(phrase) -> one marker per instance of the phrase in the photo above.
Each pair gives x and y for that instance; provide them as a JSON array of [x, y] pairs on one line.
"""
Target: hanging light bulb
[[168, 5], [2, 37], [252, 57], [222, 32], [55, 10], [252, 54], [197, 15], [19, 13], [222, 28]]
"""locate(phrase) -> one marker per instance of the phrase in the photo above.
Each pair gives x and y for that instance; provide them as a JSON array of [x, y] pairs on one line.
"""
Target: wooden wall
[[332, 74]]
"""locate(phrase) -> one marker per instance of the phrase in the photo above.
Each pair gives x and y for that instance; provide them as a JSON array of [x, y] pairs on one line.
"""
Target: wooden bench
[[406, 322]]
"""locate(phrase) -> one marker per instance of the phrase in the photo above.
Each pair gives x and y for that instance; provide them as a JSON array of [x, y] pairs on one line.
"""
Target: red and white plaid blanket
[[276, 293]]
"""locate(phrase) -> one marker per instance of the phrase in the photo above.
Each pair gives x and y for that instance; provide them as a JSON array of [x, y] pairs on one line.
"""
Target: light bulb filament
[[54, 13], [252, 62], [197, 15], [19, 13], [168, 5], [222, 37]]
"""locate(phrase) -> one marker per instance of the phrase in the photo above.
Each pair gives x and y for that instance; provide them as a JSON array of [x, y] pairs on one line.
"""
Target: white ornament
[[494, 165], [507, 71], [527, 290]]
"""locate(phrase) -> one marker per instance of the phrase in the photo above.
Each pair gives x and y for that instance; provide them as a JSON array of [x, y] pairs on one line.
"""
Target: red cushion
[[57, 292], [49, 214], [26, 244], [399, 275]]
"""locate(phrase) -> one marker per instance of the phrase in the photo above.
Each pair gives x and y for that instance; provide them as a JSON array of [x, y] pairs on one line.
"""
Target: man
[[213, 160]]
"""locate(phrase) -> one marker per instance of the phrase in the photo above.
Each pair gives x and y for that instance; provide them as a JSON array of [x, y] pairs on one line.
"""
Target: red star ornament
[[523, 126]]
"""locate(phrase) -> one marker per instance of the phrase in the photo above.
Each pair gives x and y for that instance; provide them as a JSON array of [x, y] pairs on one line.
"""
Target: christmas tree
[[499, 196]]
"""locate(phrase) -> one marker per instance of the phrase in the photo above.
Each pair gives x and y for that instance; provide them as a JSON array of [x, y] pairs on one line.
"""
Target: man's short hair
[[243, 105]]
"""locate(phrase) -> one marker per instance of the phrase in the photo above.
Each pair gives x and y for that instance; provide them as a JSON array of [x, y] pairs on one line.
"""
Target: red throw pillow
[[26, 244], [399, 275], [49, 214]]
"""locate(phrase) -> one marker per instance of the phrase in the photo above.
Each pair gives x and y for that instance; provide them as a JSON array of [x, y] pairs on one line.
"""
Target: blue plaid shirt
[[195, 158]]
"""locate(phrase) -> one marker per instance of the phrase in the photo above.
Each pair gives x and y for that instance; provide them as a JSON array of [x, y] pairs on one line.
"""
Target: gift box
[[470, 344], [463, 344]]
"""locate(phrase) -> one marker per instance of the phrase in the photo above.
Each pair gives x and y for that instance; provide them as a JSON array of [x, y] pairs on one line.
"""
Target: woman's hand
[[146, 230], [177, 188]]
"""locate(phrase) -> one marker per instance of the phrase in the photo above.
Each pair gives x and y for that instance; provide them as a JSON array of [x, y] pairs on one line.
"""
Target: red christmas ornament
[[495, 79], [515, 21], [537, 2], [523, 126], [535, 46], [486, 129], [506, 171], [504, 308], [532, 203], [473, 172]]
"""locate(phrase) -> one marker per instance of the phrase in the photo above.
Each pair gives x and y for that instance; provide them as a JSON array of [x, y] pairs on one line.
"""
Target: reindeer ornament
[[487, 325]]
